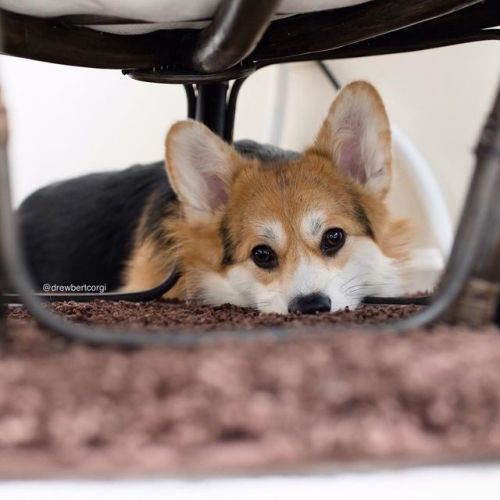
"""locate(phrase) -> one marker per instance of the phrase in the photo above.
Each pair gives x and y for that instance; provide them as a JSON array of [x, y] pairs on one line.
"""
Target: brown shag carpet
[[232, 406]]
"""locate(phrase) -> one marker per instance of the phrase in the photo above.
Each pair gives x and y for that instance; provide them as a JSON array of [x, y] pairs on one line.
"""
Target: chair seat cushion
[[153, 14]]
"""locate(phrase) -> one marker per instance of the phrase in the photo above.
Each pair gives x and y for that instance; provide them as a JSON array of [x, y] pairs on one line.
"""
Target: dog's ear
[[199, 166], [356, 135]]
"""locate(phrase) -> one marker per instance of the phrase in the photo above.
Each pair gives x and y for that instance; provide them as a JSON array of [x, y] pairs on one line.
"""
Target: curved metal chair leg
[[469, 291], [3, 278], [3, 321], [479, 299], [211, 106], [478, 302]]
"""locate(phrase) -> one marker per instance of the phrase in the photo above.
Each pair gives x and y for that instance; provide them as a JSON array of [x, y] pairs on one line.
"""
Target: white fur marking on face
[[313, 225], [273, 232], [368, 272], [234, 288], [241, 288]]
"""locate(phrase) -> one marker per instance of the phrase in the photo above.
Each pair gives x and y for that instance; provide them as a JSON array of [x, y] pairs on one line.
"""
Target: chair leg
[[3, 305], [211, 106], [478, 302], [469, 289], [3, 263]]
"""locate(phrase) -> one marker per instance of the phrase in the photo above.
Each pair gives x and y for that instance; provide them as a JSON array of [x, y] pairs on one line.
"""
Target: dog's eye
[[332, 241], [264, 256]]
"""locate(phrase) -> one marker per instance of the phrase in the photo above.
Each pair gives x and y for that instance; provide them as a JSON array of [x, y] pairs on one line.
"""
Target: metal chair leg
[[215, 106], [3, 312], [468, 291], [479, 302], [479, 299], [3, 278], [211, 106]]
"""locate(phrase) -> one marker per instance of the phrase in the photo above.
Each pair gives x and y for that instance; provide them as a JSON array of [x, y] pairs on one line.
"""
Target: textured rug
[[355, 396]]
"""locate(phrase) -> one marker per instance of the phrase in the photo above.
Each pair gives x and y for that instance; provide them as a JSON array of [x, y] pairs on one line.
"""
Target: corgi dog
[[248, 225]]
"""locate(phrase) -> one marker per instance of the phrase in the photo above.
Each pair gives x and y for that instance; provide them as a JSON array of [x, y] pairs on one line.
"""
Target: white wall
[[66, 121]]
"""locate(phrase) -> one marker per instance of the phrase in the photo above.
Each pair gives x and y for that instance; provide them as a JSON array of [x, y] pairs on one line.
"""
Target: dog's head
[[307, 235]]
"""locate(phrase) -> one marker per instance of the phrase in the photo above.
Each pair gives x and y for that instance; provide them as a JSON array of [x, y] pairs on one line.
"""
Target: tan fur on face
[[286, 193]]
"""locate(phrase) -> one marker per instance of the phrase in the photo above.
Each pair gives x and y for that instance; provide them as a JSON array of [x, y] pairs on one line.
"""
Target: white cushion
[[159, 14]]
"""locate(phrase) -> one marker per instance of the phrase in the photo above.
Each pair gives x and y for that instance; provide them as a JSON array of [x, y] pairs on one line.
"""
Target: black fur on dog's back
[[81, 231]]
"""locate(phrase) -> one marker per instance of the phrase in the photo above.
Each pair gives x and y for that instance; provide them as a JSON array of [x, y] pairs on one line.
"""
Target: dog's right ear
[[356, 135], [199, 166]]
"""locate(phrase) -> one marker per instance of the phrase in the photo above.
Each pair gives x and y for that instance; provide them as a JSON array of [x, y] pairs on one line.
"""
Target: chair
[[204, 46]]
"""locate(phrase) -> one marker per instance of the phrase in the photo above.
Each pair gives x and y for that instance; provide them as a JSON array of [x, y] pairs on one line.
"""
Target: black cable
[[422, 300], [231, 109], [329, 74], [143, 296]]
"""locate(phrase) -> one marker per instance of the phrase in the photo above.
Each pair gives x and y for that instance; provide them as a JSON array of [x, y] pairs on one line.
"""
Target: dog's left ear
[[356, 135], [199, 166]]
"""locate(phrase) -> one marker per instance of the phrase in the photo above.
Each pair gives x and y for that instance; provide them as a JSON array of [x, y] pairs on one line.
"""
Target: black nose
[[310, 304]]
